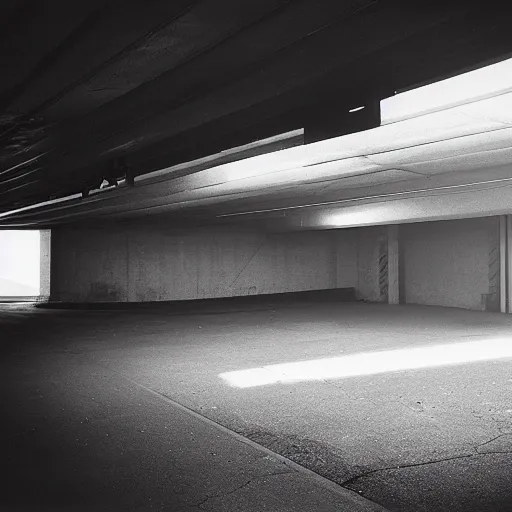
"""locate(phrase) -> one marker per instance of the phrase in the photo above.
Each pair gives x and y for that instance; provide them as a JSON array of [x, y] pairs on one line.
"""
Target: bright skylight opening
[[19, 263], [478, 84]]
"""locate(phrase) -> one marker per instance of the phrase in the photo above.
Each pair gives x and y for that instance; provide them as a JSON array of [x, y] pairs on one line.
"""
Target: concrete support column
[[44, 265], [505, 248], [503, 263], [506, 263], [393, 265], [389, 265]]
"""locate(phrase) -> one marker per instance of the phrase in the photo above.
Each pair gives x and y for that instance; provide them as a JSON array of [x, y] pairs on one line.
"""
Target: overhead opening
[[467, 87], [20, 264]]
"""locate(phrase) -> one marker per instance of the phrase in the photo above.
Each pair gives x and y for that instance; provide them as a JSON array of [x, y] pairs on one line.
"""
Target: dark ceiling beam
[[172, 45], [103, 38], [47, 64], [216, 66], [293, 66], [43, 26], [10, 11], [247, 125], [39, 34], [275, 116], [359, 70], [237, 129], [465, 42], [111, 35], [203, 26], [463, 35], [228, 60], [289, 140]]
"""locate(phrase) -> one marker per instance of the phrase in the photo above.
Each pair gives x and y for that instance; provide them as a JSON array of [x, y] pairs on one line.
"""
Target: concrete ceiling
[[95, 89], [461, 156]]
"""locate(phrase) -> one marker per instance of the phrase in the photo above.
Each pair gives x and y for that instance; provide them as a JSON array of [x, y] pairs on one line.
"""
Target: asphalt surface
[[92, 386], [80, 436]]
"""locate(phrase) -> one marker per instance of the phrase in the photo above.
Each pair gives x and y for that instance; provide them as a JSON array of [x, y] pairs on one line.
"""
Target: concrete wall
[[444, 263], [450, 263], [369, 242], [45, 255], [447, 263], [346, 250], [150, 263]]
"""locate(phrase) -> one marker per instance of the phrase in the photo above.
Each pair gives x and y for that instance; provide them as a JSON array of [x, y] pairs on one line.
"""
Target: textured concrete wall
[[346, 251], [370, 244], [45, 263], [89, 265], [150, 263], [449, 263]]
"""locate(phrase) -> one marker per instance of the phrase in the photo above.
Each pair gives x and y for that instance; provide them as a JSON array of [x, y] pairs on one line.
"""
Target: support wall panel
[[346, 258], [45, 256], [393, 265], [448, 263], [89, 265], [370, 241], [151, 263]]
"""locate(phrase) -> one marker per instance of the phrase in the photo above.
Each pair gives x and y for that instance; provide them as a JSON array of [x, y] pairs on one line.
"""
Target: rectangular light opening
[[464, 88], [20, 265]]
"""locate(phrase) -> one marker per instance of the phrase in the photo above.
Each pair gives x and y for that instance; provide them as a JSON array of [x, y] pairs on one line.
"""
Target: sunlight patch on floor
[[370, 363]]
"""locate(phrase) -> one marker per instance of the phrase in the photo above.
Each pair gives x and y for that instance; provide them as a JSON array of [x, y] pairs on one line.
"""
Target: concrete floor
[[86, 391]]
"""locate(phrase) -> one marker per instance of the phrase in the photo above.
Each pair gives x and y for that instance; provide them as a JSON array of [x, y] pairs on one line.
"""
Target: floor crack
[[490, 441], [467, 456], [503, 452], [362, 475], [242, 486], [221, 494], [477, 448]]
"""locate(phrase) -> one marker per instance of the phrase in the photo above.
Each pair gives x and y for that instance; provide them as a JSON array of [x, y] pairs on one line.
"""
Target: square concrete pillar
[[506, 250], [44, 265], [393, 265]]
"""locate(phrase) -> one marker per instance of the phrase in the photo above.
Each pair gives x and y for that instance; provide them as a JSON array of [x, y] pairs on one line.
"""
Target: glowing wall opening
[[20, 263]]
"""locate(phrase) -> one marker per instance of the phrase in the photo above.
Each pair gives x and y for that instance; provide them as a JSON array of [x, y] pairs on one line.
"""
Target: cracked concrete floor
[[78, 436], [428, 439]]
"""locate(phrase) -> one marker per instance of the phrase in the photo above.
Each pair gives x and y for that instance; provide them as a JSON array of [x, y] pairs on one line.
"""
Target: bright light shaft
[[370, 363], [19, 257]]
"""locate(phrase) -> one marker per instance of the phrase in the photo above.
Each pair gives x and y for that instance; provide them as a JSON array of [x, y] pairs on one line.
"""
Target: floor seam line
[[321, 480], [419, 464]]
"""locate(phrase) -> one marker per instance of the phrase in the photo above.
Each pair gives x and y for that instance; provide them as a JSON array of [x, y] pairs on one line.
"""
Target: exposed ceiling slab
[[455, 150], [113, 89]]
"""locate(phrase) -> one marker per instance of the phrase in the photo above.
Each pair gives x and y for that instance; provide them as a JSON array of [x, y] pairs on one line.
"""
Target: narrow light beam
[[370, 363]]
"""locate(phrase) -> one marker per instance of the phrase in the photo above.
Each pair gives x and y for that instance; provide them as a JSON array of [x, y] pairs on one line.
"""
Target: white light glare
[[481, 83], [19, 262], [356, 109], [370, 363]]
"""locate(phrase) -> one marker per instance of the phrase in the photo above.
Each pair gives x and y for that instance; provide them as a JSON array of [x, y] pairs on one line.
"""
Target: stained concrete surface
[[432, 439], [79, 436], [150, 262]]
